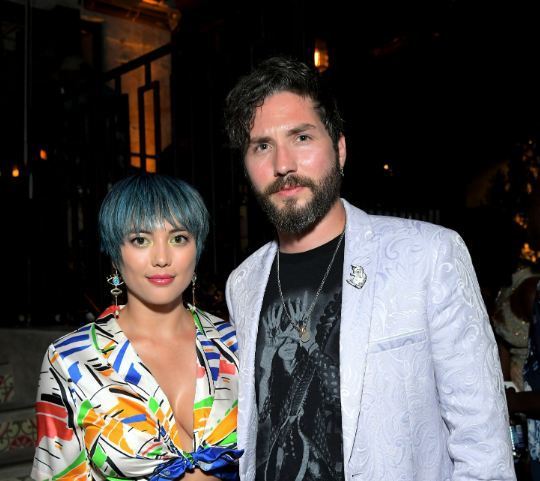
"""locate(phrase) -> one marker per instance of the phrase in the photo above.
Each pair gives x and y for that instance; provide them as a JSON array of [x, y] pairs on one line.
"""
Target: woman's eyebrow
[[178, 229], [149, 232]]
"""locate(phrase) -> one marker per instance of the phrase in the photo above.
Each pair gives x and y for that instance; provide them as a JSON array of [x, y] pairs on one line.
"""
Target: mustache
[[289, 181]]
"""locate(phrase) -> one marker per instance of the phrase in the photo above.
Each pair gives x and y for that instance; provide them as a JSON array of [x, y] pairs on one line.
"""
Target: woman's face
[[158, 266]]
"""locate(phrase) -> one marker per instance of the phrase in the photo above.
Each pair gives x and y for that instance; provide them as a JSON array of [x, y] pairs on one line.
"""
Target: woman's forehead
[[155, 223]]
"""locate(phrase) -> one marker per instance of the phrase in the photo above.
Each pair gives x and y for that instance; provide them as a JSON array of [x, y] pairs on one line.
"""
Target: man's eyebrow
[[260, 140], [264, 139], [300, 128]]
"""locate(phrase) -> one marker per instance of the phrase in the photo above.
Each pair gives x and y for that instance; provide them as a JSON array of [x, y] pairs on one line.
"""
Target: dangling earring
[[115, 280], [193, 285], [341, 172]]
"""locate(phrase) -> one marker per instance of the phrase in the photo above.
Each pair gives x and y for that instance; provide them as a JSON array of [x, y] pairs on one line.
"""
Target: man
[[365, 349]]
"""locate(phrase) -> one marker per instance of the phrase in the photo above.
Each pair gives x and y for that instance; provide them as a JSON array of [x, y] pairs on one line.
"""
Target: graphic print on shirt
[[299, 431]]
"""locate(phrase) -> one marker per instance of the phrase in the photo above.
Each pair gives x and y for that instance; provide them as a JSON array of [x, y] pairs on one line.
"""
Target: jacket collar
[[361, 250]]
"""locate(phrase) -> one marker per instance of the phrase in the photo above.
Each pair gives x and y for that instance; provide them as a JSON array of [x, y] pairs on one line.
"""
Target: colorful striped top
[[101, 414]]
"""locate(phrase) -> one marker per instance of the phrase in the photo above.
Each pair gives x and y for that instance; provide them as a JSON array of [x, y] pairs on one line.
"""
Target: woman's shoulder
[[212, 326], [203, 315], [85, 336]]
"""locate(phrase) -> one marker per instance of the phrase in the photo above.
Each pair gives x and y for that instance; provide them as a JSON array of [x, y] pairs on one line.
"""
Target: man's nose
[[284, 162]]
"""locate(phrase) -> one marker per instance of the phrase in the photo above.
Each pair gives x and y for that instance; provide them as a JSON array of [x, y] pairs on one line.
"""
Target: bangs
[[143, 216], [148, 207], [146, 203]]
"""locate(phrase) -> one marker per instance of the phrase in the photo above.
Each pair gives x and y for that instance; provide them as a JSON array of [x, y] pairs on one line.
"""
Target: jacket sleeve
[[467, 368], [60, 450], [228, 299]]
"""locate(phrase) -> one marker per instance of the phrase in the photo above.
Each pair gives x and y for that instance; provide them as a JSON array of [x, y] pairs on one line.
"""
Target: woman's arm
[[60, 449]]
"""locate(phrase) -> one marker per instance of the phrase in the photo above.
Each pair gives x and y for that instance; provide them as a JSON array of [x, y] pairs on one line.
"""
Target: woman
[[148, 390]]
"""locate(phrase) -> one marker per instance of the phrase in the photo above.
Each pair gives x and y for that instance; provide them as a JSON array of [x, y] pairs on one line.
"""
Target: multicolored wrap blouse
[[101, 414]]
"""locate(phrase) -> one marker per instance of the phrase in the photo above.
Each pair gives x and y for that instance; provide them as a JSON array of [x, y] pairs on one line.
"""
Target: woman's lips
[[161, 280]]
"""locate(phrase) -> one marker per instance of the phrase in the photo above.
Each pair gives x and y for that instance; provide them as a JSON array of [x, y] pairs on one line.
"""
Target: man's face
[[291, 162]]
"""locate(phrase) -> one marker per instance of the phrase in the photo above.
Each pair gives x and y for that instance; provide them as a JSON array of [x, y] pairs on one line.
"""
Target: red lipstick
[[161, 279]]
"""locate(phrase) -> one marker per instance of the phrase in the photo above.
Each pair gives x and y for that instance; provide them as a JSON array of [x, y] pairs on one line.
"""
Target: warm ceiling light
[[15, 171], [317, 58], [43, 154], [320, 56], [386, 167], [528, 253]]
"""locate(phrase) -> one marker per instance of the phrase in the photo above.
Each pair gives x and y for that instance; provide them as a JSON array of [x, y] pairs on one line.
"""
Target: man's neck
[[329, 227]]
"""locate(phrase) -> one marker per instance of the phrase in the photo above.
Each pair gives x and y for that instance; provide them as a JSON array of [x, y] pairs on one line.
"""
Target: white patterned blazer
[[422, 397]]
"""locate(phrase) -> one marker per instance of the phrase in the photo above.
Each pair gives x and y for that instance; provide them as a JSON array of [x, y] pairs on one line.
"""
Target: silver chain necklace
[[302, 325]]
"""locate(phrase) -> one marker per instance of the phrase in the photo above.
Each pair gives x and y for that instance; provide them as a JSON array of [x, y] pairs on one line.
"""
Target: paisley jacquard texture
[[421, 387]]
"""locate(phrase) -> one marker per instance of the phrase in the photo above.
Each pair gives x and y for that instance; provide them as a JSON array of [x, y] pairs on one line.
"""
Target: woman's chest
[[175, 367]]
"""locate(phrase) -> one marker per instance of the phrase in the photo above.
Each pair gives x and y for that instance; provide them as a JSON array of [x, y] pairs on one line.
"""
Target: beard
[[292, 219]]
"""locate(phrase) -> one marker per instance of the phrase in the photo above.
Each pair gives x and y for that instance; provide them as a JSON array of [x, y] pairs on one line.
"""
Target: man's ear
[[342, 151]]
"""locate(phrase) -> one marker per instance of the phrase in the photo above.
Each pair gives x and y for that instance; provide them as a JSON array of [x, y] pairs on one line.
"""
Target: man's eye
[[303, 137], [261, 147]]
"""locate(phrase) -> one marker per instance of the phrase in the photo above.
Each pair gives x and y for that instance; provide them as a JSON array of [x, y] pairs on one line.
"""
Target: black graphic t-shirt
[[299, 431]]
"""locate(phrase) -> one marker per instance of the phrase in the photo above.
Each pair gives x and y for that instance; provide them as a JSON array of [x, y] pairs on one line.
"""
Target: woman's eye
[[139, 241], [179, 239]]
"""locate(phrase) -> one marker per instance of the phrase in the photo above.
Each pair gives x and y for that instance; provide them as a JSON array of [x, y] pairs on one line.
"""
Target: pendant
[[304, 333]]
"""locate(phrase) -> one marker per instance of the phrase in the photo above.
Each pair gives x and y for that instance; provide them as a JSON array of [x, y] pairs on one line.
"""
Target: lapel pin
[[358, 277]]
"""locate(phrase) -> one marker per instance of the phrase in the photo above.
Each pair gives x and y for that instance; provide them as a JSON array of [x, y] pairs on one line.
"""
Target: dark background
[[442, 92]]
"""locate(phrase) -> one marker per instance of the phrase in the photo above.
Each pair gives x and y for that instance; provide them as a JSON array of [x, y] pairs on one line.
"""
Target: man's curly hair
[[274, 75]]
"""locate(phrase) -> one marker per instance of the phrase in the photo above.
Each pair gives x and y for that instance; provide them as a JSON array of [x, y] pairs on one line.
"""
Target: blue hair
[[144, 202]]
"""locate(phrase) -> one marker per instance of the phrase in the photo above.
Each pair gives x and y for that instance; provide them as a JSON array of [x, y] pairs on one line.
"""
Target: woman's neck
[[140, 320]]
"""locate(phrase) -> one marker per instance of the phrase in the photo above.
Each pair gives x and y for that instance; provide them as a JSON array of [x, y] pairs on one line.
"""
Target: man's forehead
[[285, 98], [286, 111]]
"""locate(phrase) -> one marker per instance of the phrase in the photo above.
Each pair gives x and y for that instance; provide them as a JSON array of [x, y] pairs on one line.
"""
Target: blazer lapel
[[361, 250], [249, 286]]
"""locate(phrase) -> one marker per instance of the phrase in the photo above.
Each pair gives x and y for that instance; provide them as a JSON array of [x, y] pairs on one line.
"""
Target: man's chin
[[292, 220], [291, 210], [291, 203]]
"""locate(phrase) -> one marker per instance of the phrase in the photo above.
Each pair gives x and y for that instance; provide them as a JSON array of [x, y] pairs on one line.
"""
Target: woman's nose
[[161, 254]]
